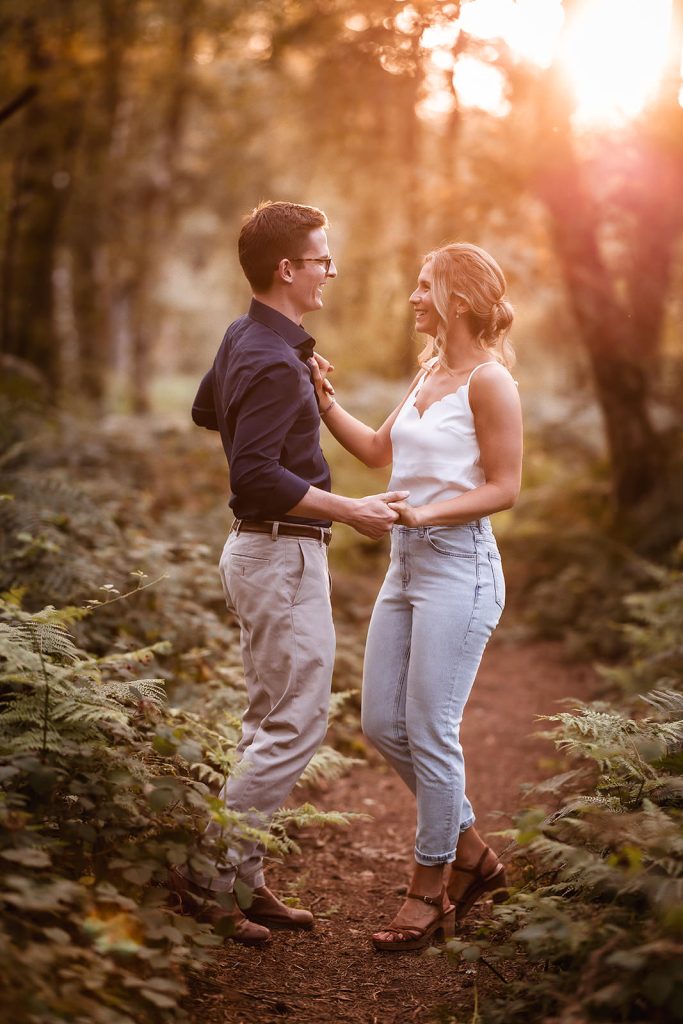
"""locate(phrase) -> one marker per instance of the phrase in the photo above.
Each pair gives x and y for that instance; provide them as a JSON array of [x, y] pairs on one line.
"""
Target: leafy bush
[[599, 908], [104, 787]]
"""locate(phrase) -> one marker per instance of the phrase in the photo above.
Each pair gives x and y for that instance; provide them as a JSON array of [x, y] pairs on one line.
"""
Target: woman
[[456, 444]]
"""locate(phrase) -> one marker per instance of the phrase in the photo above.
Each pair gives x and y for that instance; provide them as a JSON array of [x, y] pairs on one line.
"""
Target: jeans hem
[[429, 860], [464, 825]]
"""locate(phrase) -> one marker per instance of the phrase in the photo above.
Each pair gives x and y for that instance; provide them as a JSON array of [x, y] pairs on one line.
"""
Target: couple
[[455, 443]]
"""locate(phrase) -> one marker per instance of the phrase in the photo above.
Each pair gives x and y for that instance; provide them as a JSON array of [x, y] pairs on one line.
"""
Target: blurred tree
[[44, 137], [589, 194], [634, 182]]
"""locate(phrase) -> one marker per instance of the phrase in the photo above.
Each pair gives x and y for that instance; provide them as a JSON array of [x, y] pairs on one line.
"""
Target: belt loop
[[237, 526], [274, 531], [322, 537], [420, 532]]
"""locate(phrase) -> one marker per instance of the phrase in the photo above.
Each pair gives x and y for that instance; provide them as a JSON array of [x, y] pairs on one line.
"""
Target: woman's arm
[[498, 422], [373, 447]]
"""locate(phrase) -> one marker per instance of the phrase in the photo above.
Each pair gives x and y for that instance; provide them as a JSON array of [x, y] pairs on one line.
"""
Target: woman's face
[[426, 315]]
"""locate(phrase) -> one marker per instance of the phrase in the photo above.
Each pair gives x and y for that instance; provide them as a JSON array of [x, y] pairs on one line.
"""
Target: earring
[[457, 314]]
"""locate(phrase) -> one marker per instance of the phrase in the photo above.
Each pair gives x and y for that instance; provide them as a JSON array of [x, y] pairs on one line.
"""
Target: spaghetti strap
[[478, 367], [487, 363]]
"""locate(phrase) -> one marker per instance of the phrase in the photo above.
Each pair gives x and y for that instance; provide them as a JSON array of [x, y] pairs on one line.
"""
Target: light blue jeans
[[442, 598]]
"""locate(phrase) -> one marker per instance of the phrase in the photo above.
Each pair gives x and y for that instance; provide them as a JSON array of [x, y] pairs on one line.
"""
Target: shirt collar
[[295, 335]]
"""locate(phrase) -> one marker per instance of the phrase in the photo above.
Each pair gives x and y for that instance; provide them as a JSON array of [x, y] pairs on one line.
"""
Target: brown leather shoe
[[493, 881], [200, 904], [411, 937], [268, 909]]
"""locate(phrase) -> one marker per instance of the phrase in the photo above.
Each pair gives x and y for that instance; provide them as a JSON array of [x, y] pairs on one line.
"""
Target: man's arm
[[370, 516], [203, 409], [266, 415]]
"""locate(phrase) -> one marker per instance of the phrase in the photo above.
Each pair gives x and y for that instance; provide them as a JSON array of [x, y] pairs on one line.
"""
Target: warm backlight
[[613, 52]]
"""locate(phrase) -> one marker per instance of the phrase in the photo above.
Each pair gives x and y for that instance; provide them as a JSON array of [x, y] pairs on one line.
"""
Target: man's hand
[[407, 514], [373, 516]]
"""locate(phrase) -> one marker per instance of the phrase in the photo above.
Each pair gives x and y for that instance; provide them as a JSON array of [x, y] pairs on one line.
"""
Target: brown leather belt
[[276, 529]]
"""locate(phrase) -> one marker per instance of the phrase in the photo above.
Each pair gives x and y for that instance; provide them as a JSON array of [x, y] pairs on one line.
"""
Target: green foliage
[[599, 907], [104, 787], [653, 637], [89, 819]]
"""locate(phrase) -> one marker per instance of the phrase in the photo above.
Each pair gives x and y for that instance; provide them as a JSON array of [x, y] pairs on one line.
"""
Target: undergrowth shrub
[[598, 911], [105, 785]]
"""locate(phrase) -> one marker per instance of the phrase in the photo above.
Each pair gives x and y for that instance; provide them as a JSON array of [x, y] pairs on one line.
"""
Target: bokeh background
[[136, 134]]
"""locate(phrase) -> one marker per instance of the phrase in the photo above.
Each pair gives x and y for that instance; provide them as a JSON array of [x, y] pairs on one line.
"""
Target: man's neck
[[281, 303]]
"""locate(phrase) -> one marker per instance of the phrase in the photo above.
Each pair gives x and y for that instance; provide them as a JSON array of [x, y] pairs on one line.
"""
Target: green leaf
[[29, 856], [158, 999], [243, 894], [164, 746], [139, 875], [210, 938]]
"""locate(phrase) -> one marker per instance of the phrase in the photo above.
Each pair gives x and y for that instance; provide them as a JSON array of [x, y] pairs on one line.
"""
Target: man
[[259, 395]]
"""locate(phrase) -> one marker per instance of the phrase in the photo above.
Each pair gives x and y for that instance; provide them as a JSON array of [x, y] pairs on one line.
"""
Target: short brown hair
[[272, 232]]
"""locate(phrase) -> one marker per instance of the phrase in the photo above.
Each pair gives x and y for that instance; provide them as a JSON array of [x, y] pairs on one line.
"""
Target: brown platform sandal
[[267, 909], [418, 938], [496, 883], [198, 903]]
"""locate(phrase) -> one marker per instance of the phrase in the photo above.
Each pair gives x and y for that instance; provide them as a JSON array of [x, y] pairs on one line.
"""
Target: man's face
[[308, 277]]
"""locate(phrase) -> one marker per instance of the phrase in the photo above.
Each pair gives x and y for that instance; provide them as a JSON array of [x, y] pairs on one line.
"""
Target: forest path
[[351, 877]]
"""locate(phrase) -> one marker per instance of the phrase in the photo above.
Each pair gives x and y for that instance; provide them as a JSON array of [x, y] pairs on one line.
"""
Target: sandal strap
[[434, 901], [476, 870], [412, 931]]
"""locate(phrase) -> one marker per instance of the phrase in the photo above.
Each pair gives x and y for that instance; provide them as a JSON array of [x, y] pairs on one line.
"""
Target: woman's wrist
[[419, 515], [324, 410]]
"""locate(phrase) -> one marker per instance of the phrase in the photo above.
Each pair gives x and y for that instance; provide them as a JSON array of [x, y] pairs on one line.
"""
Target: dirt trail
[[352, 878]]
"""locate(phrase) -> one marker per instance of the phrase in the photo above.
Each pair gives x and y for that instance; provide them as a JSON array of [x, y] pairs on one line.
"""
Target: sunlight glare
[[614, 56], [531, 28], [612, 52], [480, 85]]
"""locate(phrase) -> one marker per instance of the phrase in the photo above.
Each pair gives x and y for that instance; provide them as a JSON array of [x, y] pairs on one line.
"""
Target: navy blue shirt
[[259, 395]]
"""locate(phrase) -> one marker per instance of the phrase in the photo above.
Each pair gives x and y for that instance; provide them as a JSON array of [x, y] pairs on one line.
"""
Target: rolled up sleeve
[[203, 407], [266, 413]]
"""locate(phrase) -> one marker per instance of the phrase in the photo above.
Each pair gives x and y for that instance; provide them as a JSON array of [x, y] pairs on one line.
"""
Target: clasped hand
[[407, 514]]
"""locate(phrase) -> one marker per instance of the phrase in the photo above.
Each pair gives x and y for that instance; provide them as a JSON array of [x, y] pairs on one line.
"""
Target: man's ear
[[284, 271]]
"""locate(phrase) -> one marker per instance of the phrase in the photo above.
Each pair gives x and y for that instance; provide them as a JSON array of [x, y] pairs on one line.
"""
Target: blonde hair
[[470, 273]]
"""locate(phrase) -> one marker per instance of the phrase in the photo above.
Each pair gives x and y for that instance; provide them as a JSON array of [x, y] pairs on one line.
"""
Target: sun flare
[[612, 52]]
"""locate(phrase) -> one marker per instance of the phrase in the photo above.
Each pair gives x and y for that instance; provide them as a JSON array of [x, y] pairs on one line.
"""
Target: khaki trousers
[[280, 591]]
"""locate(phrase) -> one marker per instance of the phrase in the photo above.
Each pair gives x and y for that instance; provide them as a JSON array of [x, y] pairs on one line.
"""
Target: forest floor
[[353, 878]]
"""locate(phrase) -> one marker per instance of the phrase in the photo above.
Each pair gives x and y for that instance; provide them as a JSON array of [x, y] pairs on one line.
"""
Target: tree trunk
[[92, 222], [41, 185], [157, 212], [408, 124], [606, 328]]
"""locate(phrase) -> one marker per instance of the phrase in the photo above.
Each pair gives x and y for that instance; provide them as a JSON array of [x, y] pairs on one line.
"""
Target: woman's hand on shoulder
[[320, 367]]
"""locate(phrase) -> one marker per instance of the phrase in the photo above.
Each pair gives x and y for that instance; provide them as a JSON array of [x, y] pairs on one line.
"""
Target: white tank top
[[436, 455]]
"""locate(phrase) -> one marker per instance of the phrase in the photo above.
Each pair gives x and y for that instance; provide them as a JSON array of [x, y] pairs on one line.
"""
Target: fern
[[326, 765]]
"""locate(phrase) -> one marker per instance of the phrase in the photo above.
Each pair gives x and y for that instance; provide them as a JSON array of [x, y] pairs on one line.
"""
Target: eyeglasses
[[324, 261]]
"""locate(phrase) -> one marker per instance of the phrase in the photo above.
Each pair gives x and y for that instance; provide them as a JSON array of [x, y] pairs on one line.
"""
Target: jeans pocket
[[498, 579], [453, 541]]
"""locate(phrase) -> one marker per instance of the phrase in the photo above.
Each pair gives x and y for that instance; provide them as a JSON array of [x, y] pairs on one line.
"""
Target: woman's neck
[[462, 351]]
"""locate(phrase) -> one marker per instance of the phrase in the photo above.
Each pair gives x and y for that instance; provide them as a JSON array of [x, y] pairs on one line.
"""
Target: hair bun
[[504, 314], [499, 320]]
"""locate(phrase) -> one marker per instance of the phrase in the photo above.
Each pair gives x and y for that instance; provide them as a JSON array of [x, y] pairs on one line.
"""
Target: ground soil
[[352, 878]]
